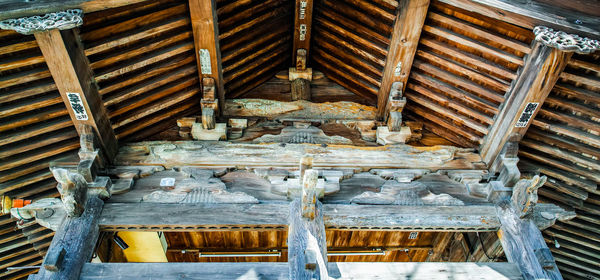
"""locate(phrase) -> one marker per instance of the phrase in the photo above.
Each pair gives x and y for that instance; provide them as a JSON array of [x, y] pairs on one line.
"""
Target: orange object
[[19, 203]]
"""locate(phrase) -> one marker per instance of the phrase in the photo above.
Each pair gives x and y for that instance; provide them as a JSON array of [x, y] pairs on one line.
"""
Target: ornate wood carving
[[59, 20]]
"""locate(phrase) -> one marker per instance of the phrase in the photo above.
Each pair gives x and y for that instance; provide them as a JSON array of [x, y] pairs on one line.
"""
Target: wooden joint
[[209, 103], [301, 59], [54, 259], [309, 195]]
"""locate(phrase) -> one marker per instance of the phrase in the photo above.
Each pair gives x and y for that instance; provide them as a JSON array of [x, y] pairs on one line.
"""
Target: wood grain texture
[[205, 27], [403, 46], [174, 217], [72, 74], [417, 271], [533, 84]]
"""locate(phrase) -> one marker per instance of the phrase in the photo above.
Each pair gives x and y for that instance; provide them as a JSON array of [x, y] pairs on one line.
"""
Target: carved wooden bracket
[[48, 212], [59, 20], [564, 41], [525, 196]]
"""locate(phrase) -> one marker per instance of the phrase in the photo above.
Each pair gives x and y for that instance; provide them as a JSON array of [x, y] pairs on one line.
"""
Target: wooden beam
[[70, 69], [353, 270], [403, 46], [223, 154], [302, 29], [77, 238], [527, 94], [531, 13], [219, 217], [205, 28], [524, 245], [17, 9]]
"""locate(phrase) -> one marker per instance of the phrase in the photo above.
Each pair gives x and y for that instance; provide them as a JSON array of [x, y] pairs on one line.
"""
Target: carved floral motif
[[62, 20], [565, 42]]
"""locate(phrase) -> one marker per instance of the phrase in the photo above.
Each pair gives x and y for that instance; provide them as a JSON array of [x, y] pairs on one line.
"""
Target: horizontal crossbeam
[[219, 217], [216, 271]]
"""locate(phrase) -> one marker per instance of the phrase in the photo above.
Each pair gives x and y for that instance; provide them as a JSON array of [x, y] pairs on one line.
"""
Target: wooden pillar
[[307, 246], [73, 244], [66, 60], [203, 14], [550, 53], [524, 245], [403, 46]]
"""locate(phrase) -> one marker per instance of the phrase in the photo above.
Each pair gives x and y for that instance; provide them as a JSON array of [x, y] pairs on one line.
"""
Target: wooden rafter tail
[[70, 69], [403, 46], [203, 14]]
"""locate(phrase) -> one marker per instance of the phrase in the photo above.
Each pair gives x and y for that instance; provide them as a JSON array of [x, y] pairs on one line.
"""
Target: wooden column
[[203, 14], [307, 246], [73, 244], [524, 245], [74, 79], [534, 82], [403, 46]]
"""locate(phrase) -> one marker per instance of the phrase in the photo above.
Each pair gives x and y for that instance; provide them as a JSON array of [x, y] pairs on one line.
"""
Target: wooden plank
[[531, 13], [349, 270], [403, 46], [219, 217], [77, 237], [524, 245], [206, 40], [527, 94], [209, 154], [74, 79], [302, 27]]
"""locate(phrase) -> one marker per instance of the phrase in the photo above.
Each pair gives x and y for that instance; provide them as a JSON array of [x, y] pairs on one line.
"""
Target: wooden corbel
[[396, 104], [209, 103], [48, 212], [524, 196], [300, 76]]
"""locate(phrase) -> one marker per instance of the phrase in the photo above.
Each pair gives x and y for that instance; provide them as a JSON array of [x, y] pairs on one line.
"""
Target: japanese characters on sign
[[77, 106], [205, 66], [527, 114]]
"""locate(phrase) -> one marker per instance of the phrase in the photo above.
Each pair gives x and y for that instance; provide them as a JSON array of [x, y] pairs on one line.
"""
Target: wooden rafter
[[403, 46], [66, 60], [536, 79], [206, 41]]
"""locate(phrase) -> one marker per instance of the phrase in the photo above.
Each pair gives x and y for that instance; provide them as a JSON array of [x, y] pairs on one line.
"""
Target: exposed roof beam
[[403, 46], [536, 79], [223, 154], [19, 8], [191, 217], [66, 60], [206, 40], [349, 270], [531, 13], [302, 27]]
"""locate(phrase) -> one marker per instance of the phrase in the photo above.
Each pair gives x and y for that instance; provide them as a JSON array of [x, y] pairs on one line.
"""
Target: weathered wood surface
[[535, 81], [298, 109], [66, 60], [186, 217], [17, 9], [531, 13], [203, 14], [350, 270], [307, 245], [524, 245], [224, 154], [403, 46], [77, 236]]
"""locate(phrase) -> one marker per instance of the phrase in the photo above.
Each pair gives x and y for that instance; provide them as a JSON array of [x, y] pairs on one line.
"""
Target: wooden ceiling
[[144, 65]]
